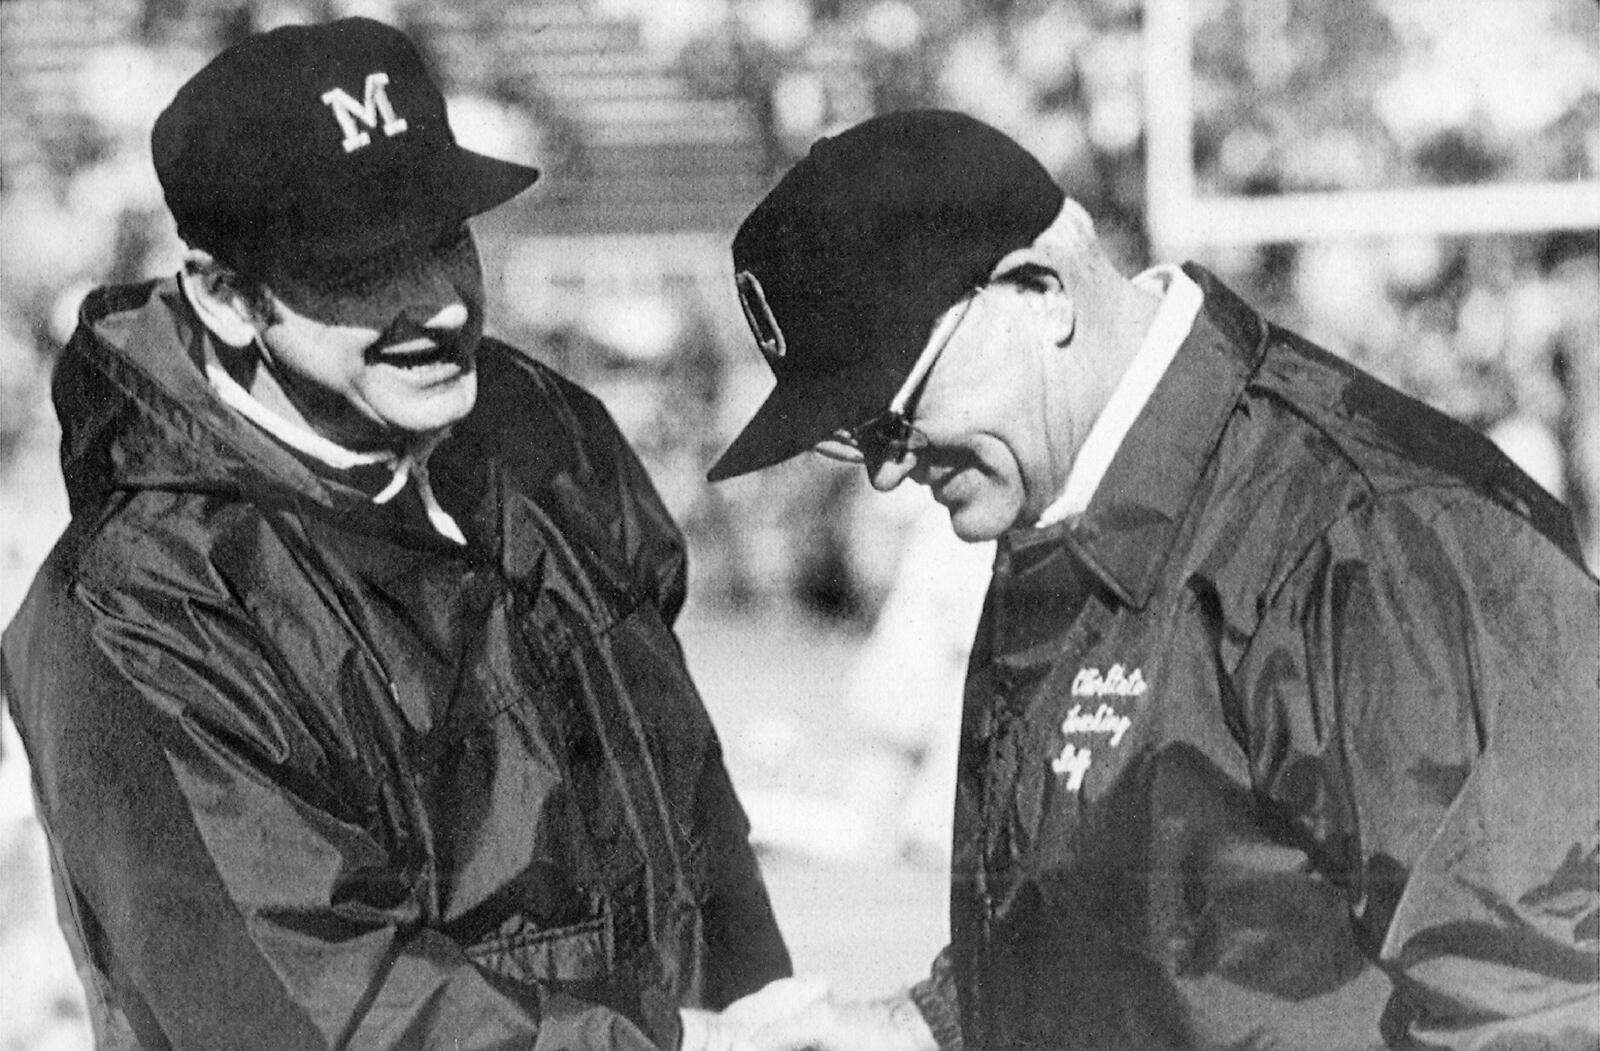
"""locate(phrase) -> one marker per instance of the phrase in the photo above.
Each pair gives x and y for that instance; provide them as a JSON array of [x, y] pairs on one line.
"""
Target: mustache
[[448, 343]]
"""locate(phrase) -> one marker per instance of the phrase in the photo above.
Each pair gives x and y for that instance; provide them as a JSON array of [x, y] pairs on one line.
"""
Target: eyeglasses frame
[[891, 432]]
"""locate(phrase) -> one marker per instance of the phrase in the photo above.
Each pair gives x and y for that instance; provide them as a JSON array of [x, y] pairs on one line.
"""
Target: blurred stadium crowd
[[1503, 331], [659, 122]]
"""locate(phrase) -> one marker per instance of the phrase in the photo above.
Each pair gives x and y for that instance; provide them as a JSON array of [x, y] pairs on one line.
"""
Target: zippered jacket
[[1292, 741], [314, 776]]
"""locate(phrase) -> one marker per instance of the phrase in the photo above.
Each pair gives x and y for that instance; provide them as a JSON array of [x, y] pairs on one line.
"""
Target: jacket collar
[[1129, 527], [137, 412]]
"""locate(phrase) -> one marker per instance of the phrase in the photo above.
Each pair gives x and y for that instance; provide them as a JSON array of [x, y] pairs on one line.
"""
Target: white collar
[[1181, 300], [300, 439], [412, 464]]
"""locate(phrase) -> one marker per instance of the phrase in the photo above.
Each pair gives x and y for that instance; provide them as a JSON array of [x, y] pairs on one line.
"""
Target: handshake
[[802, 1014]]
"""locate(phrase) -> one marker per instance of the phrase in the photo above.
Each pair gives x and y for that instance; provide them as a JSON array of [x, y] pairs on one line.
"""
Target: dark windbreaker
[[314, 776], [1292, 742]]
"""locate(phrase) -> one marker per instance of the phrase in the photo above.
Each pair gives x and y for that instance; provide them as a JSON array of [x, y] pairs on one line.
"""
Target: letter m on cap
[[352, 114]]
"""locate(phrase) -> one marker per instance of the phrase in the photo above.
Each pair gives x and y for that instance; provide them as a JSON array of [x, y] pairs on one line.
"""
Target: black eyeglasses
[[890, 436]]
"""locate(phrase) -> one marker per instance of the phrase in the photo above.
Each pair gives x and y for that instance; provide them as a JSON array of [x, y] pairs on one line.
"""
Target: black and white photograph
[[799, 525]]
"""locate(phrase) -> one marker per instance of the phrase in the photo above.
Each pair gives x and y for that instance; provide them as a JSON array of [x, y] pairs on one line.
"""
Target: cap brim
[[802, 411], [805, 409], [468, 183], [413, 205]]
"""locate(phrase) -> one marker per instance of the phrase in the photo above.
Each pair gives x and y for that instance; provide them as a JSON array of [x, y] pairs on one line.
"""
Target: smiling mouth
[[418, 355]]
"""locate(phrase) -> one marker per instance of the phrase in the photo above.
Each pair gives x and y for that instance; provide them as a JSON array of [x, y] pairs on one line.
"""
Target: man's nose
[[888, 472], [428, 297], [450, 317]]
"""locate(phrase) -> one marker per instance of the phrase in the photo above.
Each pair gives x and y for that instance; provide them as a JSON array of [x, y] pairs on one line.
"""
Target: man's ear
[[1034, 270], [224, 308]]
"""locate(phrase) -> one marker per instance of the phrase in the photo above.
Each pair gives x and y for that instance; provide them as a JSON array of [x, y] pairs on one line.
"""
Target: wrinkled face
[[1003, 412], [386, 357]]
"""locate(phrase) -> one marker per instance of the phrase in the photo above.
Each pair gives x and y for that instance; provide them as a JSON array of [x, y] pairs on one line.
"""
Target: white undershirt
[[409, 465], [1181, 300]]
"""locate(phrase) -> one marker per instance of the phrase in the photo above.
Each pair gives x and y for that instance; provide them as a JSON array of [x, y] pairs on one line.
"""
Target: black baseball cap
[[846, 265], [314, 150]]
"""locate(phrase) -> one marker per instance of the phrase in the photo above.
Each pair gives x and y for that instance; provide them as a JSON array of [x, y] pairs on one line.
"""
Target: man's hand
[[827, 1024], [731, 1029]]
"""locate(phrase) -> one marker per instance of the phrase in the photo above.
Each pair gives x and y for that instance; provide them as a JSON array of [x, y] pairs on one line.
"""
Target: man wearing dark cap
[[351, 694], [1282, 723]]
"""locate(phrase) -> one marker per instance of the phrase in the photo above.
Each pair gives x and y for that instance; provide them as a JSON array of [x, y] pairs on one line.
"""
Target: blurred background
[[830, 663]]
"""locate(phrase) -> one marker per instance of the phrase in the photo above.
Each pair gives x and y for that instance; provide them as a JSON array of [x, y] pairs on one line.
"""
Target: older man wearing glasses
[[1282, 721]]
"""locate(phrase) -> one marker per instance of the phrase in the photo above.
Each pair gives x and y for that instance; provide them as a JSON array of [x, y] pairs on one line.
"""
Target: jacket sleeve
[[744, 949], [609, 496], [939, 1003], [1425, 705], [228, 892], [621, 495], [651, 540]]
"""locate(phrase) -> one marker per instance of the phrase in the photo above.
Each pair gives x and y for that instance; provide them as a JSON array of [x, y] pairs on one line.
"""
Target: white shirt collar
[[300, 439], [1181, 300]]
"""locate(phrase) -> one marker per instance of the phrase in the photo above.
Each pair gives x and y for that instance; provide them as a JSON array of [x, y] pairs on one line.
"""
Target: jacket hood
[[137, 412]]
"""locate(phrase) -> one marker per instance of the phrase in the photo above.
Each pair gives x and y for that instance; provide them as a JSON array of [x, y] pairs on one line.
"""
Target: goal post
[[1182, 221]]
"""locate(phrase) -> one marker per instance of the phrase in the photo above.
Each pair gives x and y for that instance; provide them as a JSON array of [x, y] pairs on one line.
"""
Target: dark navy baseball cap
[[846, 265], [315, 150]]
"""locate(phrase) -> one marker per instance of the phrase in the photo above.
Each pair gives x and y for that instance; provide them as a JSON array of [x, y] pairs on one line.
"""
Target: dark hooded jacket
[[1292, 741], [314, 776]]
